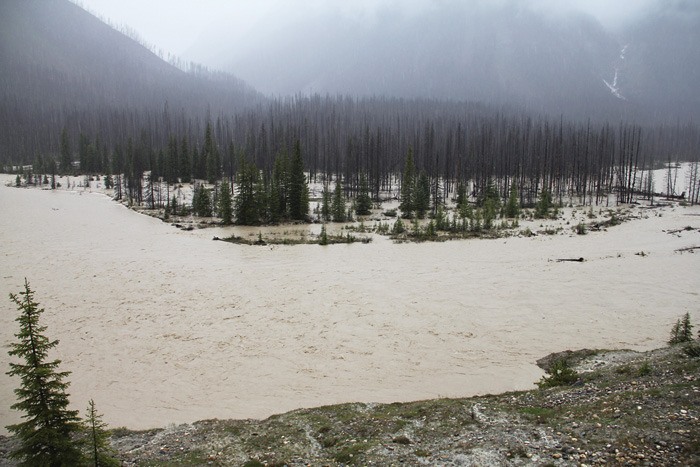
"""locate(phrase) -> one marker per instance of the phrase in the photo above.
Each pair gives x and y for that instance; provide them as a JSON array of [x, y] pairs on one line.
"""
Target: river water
[[160, 326]]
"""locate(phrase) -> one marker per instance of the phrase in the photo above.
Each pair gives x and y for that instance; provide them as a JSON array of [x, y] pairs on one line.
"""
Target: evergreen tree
[[279, 189], [298, 189], [225, 206], [421, 202], [326, 205], [461, 194], [101, 453], [543, 205], [246, 201], [363, 203], [201, 202], [338, 205], [513, 206], [408, 186], [682, 331], [46, 437]]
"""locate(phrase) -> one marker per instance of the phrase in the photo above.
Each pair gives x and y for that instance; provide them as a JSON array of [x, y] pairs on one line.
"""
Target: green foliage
[[46, 435], [101, 454], [18, 181], [682, 331], [338, 204], [201, 202], [490, 205], [323, 238], [544, 204], [559, 373], [513, 205], [326, 204], [246, 203], [581, 228], [363, 204], [398, 227], [422, 195], [298, 188], [225, 205]]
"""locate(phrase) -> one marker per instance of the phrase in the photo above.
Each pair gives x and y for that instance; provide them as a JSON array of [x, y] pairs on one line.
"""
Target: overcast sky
[[185, 27]]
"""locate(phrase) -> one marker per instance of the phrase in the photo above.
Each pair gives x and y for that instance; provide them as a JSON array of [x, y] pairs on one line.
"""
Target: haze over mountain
[[551, 60], [60, 65]]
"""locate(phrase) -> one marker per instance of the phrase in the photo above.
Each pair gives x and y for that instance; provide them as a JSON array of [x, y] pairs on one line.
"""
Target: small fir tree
[[338, 205], [363, 204], [682, 331], [422, 196], [513, 206], [326, 205], [46, 436], [101, 453]]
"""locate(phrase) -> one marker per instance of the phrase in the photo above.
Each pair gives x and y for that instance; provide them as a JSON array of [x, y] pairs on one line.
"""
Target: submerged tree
[[46, 435]]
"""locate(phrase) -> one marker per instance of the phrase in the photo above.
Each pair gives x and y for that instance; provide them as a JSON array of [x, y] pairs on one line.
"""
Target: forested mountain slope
[[59, 65]]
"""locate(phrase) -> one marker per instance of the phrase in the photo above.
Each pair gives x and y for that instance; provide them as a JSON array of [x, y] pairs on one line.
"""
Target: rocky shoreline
[[626, 408]]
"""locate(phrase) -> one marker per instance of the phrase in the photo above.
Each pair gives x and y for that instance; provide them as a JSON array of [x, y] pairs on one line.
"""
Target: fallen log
[[688, 248], [577, 260]]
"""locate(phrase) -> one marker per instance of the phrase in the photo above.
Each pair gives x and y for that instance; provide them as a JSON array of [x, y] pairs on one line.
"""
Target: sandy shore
[[162, 326]]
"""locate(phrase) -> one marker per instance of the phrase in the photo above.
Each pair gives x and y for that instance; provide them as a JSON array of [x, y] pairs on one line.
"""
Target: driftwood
[[684, 229], [688, 248], [577, 260]]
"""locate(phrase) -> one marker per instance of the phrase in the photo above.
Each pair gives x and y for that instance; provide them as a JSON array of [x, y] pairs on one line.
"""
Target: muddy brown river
[[161, 326]]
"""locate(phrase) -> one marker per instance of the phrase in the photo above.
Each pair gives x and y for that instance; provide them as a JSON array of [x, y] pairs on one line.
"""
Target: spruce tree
[[408, 186], [421, 196], [46, 436], [298, 189], [326, 204], [101, 453], [363, 204], [246, 202], [513, 206], [338, 204]]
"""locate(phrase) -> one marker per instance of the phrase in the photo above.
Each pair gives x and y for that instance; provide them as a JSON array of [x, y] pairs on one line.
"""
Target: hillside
[[59, 65]]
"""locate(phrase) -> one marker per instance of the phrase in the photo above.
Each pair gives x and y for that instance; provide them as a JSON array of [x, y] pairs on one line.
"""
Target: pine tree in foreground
[[46, 435]]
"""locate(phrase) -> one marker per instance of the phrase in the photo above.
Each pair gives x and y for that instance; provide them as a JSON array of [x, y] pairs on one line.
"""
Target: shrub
[[559, 373]]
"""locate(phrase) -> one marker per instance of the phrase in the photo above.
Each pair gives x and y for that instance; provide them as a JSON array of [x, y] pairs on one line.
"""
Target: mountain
[[61, 66], [661, 65], [555, 62]]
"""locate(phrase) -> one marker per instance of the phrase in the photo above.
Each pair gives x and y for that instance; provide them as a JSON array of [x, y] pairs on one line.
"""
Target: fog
[[197, 31], [549, 56]]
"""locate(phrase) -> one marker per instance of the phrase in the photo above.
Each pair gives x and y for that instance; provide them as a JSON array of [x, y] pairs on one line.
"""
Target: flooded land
[[160, 325]]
